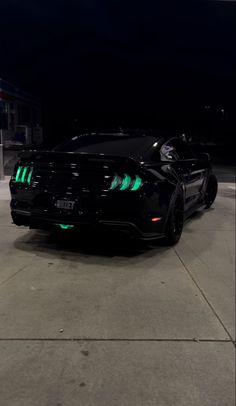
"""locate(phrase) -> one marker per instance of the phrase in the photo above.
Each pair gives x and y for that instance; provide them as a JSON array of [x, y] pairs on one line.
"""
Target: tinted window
[[183, 150], [168, 152], [123, 145], [176, 149]]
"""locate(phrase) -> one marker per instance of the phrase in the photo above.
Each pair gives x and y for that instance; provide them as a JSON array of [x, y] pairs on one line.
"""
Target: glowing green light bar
[[65, 226], [137, 184], [18, 173], [125, 182], [30, 176], [115, 182], [23, 174]]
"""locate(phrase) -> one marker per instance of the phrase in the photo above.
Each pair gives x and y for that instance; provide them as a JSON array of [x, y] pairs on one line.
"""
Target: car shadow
[[72, 245], [196, 216], [76, 246]]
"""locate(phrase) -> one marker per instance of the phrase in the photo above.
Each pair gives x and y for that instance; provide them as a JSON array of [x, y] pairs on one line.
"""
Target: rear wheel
[[175, 222], [211, 191]]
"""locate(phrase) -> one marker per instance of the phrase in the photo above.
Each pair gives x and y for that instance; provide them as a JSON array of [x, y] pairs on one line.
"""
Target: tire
[[175, 221], [211, 191]]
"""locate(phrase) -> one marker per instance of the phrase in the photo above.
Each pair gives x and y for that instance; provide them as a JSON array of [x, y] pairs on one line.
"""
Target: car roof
[[131, 143]]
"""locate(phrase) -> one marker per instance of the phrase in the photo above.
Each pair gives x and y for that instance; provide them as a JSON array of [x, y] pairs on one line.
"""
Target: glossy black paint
[[85, 177]]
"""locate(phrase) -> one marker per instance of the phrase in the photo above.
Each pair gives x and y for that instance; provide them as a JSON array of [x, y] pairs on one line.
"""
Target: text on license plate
[[65, 204]]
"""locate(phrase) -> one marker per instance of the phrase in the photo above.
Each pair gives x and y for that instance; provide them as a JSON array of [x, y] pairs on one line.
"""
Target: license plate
[[65, 204]]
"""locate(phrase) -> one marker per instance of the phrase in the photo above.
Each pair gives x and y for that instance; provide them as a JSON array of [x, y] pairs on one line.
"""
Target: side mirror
[[204, 156]]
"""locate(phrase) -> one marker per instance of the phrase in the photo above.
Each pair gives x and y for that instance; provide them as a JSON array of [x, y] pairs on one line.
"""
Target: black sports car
[[141, 184]]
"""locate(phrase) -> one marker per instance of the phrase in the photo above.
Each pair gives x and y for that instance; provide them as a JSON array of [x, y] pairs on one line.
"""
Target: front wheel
[[211, 191], [175, 222]]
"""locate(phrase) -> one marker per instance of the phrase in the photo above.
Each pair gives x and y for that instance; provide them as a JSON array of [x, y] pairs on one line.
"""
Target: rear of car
[[92, 181]]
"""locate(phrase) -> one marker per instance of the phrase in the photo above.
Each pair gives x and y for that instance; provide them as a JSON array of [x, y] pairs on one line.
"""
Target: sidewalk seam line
[[191, 340], [12, 276], [204, 296]]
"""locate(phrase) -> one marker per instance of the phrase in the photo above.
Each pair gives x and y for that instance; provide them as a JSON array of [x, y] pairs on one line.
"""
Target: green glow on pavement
[[65, 226]]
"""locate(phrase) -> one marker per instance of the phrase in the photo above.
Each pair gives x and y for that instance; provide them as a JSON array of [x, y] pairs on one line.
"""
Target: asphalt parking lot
[[92, 321]]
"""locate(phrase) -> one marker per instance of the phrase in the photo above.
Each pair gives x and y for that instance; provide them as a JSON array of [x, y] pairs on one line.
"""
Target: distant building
[[20, 116]]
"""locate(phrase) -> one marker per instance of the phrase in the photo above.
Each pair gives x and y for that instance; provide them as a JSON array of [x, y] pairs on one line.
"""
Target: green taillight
[[24, 174], [115, 182], [126, 182], [136, 184], [29, 176], [18, 173]]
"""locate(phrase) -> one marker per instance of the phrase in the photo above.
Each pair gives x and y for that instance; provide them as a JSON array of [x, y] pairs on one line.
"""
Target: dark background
[[104, 63]]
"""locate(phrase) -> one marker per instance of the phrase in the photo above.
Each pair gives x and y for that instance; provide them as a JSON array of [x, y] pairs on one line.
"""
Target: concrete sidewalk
[[92, 322], [4, 189]]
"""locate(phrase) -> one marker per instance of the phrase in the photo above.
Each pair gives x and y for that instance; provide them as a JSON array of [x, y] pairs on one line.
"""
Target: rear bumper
[[145, 231], [131, 213]]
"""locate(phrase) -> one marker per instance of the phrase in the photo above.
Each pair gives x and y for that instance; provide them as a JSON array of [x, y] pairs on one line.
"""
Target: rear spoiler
[[71, 157]]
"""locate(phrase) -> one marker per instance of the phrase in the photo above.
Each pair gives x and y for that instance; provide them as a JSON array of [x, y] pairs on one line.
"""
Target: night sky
[[112, 59]]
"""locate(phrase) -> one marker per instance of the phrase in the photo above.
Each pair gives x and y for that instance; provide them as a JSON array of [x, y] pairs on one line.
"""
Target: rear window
[[110, 144]]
